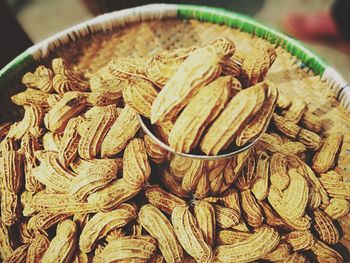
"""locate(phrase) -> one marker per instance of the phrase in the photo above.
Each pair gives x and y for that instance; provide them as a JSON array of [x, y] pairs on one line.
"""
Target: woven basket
[[144, 30]]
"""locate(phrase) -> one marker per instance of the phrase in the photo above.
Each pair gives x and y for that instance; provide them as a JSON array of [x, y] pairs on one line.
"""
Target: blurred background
[[43, 18]]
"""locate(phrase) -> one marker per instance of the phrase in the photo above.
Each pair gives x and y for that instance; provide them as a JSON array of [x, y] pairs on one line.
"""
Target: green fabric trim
[[15, 68], [252, 26]]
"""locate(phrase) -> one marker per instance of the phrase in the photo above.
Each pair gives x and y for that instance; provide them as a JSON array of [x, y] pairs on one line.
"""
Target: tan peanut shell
[[37, 247], [10, 207], [258, 245], [278, 171], [288, 128], [45, 220], [325, 158], [257, 125], [62, 246], [159, 227], [201, 67], [126, 68], [5, 242], [109, 197], [325, 227], [128, 249], [163, 200], [154, 151], [236, 114], [101, 223], [226, 217], [193, 174], [94, 129], [260, 186], [189, 234], [203, 108], [204, 214], [136, 169], [325, 254], [11, 170], [230, 237], [251, 209], [337, 207], [31, 97], [172, 185], [296, 111], [300, 240], [121, 132], [310, 139], [281, 252], [140, 95], [41, 79], [292, 203], [71, 105], [203, 187], [311, 122]]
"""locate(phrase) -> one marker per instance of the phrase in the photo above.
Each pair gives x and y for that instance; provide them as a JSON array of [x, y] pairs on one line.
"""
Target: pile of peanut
[[80, 182]]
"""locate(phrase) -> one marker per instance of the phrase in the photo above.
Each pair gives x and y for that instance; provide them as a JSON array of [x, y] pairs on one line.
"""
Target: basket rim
[[109, 21]]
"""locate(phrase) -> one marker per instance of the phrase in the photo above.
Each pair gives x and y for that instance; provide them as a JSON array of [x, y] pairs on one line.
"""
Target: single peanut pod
[[325, 158], [128, 249], [292, 148], [311, 122], [325, 227], [300, 240], [260, 186], [155, 152], [257, 125], [11, 169], [37, 247], [109, 197], [68, 147], [337, 208], [5, 244], [121, 132], [101, 223], [251, 209], [93, 179], [236, 114], [184, 84], [173, 186], [158, 226], [67, 79], [10, 208], [310, 139], [45, 220], [136, 169], [296, 111], [288, 128], [140, 95], [281, 252], [71, 105], [31, 97], [254, 67], [325, 254], [163, 200], [192, 176], [258, 245], [226, 217], [229, 237], [189, 127], [278, 171], [204, 213], [189, 234], [18, 255], [62, 246], [292, 204], [203, 187], [338, 189], [57, 203], [41, 79], [269, 143], [302, 224]]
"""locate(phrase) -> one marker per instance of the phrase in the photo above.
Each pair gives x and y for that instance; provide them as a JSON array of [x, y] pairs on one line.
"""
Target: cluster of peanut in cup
[[81, 182]]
